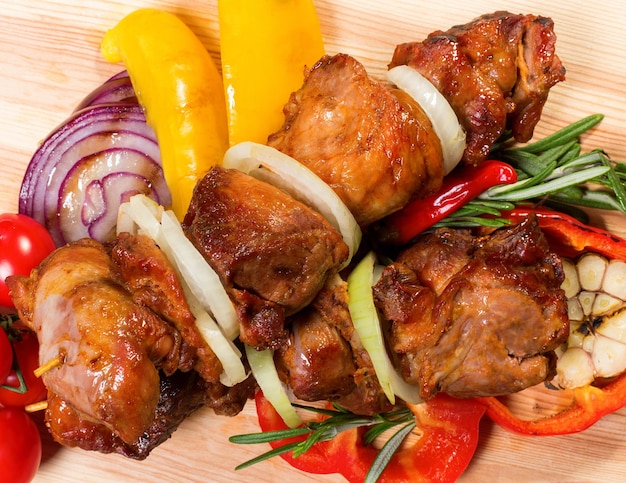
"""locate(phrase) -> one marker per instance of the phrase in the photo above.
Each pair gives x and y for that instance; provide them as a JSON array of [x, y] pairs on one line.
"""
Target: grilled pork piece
[[372, 144], [273, 253], [180, 394], [117, 319], [475, 316], [495, 72], [324, 359], [107, 344]]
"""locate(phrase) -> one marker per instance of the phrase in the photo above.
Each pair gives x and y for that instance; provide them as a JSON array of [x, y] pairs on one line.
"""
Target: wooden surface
[[50, 60]]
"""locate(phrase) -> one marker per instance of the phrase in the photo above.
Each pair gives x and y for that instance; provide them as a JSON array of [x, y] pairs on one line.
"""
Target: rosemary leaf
[[601, 200], [268, 436], [536, 165], [562, 136], [386, 453], [500, 192], [551, 186], [616, 184], [267, 455]]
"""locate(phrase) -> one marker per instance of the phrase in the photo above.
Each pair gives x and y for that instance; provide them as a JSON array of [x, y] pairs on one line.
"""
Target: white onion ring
[[270, 165], [435, 105]]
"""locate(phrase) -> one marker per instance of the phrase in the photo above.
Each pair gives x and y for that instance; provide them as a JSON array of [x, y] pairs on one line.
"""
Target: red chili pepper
[[462, 185], [448, 440], [568, 237]]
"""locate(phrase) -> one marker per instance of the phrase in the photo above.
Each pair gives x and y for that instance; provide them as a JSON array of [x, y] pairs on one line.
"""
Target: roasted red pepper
[[568, 237], [462, 185], [448, 430]]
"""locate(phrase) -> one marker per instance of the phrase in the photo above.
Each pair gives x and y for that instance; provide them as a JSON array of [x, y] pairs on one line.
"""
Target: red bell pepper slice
[[459, 187], [568, 237], [448, 430]]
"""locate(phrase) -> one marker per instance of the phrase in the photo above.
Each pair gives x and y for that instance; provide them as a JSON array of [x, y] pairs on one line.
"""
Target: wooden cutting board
[[50, 60]]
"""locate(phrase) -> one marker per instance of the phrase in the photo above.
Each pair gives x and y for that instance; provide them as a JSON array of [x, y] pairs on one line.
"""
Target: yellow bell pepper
[[181, 90], [265, 46]]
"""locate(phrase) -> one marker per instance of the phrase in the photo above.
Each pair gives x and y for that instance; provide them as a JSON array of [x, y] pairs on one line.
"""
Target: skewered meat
[[180, 394], [324, 359], [116, 317], [372, 144], [475, 316], [495, 72], [107, 344], [271, 251]]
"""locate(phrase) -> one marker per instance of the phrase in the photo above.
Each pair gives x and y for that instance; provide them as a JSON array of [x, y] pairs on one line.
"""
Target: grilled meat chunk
[[324, 359], [149, 277], [372, 144], [475, 316], [117, 319], [108, 345], [271, 251], [495, 72], [180, 394]]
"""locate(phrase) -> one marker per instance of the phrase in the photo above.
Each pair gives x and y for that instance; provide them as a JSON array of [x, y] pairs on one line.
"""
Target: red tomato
[[6, 356], [26, 350], [20, 446], [24, 243]]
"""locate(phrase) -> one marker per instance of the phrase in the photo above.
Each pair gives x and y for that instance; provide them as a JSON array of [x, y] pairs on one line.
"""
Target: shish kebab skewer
[[365, 219]]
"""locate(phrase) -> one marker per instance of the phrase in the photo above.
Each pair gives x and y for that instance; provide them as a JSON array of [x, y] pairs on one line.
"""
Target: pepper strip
[[461, 186], [449, 432], [181, 90], [570, 237], [265, 47], [589, 403]]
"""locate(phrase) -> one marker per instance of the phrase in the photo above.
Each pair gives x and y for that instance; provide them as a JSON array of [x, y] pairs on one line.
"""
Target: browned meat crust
[[372, 144], [475, 316], [324, 358], [271, 251], [131, 355], [496, 73], [180, 395]]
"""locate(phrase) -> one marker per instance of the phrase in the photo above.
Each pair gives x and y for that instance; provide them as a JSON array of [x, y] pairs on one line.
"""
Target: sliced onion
[[117, 89], [365, 320], [87, 167], [264, 371], [234, 371], [204, 283], [435, 105], [284, 172], [142, 215]]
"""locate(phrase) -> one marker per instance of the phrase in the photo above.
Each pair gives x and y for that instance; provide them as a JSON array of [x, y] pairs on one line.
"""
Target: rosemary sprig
[[336, 421], [551, 171]]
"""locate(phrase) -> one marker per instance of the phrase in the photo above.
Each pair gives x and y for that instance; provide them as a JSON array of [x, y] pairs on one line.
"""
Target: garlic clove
[[609, 356], [591, 268], [574, 369], [614, 282], [571, 285]]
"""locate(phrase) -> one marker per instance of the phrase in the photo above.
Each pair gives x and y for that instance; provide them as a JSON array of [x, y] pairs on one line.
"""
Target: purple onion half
[[87, 167]]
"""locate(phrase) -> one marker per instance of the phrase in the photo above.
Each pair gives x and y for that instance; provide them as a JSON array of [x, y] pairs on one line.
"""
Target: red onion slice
[[87, 167], [116, 89]]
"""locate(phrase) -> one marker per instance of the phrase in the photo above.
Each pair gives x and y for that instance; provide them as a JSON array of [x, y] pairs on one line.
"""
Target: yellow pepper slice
[[181, 90], [265, 46]]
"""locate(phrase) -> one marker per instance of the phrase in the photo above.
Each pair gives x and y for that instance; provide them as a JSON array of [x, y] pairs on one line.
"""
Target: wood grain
[[50, 60]]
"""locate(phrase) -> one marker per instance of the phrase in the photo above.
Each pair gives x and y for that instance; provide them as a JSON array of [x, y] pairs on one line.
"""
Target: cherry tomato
[[6, 356], [24, 243], [20, 446], [26, 350]]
